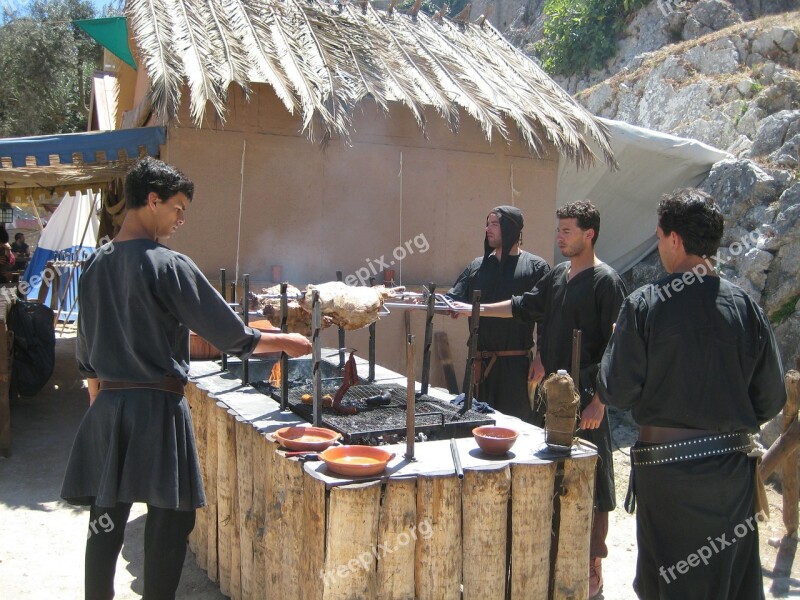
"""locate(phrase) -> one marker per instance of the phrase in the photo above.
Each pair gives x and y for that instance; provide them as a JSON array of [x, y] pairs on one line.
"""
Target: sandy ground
[[42, 538]]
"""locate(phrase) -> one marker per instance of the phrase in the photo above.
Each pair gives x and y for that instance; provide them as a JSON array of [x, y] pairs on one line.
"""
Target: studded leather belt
[[690, 449]]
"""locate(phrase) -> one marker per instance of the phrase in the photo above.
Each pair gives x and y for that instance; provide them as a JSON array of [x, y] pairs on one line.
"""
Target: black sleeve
[[462, 288], [188, 295], [624, 366], [531, 305], [767, 389], [608, 300]]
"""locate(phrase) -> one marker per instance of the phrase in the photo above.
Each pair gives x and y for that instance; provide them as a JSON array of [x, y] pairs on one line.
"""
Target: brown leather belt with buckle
[[167, 384]]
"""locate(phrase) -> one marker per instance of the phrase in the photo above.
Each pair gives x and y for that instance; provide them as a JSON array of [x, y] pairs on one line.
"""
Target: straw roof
[[323, 59]]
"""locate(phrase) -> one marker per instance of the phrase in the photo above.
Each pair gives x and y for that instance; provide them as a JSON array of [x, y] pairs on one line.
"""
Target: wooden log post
[[260, 478], [313, 537], [531, 523], [197, 539], [284, 547], [397, 539], [437, 561], [484, 507], [351, 539], [571, 578], [212, 466], [789, 466], [226, 482], [247, 527]]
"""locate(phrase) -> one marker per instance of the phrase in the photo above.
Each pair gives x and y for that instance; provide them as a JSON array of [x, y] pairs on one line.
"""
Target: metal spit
[[410, 397], [371, 375], [426, 352], [316, 376], [246, 319], [284, 356], [470, 384], [224, 293]]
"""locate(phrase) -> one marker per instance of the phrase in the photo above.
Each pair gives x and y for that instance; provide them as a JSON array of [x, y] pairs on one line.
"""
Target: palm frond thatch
[[323, 59]]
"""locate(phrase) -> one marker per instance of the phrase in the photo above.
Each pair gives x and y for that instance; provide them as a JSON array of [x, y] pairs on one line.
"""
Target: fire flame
[[275, 375]]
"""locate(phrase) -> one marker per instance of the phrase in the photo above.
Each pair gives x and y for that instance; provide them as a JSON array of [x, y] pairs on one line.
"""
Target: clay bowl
[[494, 440], [310, 439], [356, 461]]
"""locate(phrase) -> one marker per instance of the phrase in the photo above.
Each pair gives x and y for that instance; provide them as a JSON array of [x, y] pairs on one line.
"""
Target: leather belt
[[167, 384], [482, 373], [661, 435], [690, 449]]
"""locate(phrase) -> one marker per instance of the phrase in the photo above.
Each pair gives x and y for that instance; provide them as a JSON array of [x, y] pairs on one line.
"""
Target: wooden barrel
[[200, 349]]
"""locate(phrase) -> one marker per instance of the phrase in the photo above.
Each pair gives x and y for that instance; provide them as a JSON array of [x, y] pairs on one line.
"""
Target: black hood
[[511, 223]]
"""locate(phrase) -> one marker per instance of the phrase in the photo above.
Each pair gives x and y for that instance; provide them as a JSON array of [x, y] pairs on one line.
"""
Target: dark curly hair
[[695, 216], [152, 175], [585, 213]]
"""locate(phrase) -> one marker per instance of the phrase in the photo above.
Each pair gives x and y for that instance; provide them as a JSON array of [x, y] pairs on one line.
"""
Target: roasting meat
[[298, 320], [348, 306]]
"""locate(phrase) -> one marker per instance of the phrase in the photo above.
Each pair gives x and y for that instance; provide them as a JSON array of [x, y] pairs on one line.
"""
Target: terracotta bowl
[[306, 438], [356, 461], [495, 440]]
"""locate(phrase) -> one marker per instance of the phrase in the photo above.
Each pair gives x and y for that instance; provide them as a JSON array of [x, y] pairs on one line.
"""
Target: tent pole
[[92, 208]]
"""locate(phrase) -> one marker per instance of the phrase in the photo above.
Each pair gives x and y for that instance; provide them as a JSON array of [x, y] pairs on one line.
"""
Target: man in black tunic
[[695, 360], [505, 346], [136, 442], [582, 293]]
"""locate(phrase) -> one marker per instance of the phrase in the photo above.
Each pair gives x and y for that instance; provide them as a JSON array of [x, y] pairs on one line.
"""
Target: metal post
[[371, 376], [470, 385], [316, 376], [426, 356], [284, 356], [224, 293], [576, 360], [341, 332], [410, 397], [246, 319]]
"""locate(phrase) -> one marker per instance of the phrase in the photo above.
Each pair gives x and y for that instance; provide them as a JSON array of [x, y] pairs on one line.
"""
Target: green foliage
[[581, 34], [785, 311], [47, 64]]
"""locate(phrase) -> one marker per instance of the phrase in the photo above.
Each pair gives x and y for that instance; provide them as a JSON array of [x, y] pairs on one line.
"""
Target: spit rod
[[576, 360], [410, 397], [316, 376], [341, 331], [224, 294], [284, 356], [470, 385], [426, 352]]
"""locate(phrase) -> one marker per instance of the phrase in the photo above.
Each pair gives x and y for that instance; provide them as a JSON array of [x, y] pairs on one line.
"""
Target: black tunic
[[590, 302], [138, 299], [506, 387], [700, 355]]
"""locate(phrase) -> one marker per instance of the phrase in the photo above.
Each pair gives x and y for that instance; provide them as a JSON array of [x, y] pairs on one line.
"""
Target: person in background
[[21, 251], [139, 299], [504, 346], [7, 258], [695, 359], [582, 293]]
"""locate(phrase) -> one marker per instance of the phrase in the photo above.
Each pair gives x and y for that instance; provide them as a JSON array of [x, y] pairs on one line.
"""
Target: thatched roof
[[323, 59]]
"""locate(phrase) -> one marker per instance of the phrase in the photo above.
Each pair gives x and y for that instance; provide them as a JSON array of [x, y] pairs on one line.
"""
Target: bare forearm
[[293, 344], [500, 310]]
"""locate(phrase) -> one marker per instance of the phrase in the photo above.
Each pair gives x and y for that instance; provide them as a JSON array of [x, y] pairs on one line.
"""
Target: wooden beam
[[398, 531], [437, 563]]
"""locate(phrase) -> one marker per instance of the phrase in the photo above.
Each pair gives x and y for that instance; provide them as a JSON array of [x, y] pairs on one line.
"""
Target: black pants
[[165, 536]]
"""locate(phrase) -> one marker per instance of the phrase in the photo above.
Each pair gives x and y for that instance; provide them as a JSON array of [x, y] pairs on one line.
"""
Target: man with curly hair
[[695, 359]]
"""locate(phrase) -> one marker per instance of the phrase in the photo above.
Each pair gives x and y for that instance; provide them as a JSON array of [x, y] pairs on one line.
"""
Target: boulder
[[708, 16], [772, 131], [737, 185]]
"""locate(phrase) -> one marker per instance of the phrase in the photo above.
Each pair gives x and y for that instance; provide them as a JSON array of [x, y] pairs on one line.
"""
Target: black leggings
[[165, 534]]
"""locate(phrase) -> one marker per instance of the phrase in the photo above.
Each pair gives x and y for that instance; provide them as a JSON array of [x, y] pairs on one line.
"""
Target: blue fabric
[[477, 405], [34, 274], [110, 142]]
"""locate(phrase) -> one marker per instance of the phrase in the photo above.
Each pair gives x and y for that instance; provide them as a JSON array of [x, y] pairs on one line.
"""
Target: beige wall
[[317, 211]]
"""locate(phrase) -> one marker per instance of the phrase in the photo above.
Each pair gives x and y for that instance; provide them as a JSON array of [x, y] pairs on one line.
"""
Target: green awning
[[111, 33]]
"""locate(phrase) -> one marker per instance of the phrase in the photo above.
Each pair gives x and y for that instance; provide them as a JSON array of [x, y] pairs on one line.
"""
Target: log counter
[[275, 527]]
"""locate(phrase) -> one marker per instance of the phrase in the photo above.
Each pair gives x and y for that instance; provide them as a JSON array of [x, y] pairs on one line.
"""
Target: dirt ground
[[42, 538]]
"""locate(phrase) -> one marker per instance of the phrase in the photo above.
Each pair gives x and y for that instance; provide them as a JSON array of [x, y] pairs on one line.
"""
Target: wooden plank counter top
[[275, 527]]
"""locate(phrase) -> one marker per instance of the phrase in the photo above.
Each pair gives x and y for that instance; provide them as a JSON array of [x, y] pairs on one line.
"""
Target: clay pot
[[494, 440], [201, 349], [306, 438], [357, 461]]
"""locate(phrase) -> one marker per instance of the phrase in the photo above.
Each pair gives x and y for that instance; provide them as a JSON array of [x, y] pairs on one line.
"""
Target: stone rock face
[[708, 16]]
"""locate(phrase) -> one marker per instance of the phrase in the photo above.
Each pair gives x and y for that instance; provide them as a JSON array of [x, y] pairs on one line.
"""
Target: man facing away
[[503, 271], [136, 442], [695, 360], [582, 293]]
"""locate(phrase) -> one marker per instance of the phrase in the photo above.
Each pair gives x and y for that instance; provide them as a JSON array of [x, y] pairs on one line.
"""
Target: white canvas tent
[[650, 164], [69, 237]]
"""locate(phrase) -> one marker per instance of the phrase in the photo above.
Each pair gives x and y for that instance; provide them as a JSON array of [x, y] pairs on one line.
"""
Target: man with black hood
[[503, 271]]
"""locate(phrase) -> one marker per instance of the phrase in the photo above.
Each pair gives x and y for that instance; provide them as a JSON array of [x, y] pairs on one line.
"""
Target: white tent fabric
[[70, 236], [650, 164]]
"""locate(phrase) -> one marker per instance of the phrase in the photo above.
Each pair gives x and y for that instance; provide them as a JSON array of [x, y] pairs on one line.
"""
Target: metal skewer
[[224, 293], [284, 356], [246, 319], [410, 397], [316, 383], [426, 352]]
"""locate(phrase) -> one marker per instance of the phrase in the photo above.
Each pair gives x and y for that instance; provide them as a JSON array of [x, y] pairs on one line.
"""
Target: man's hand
[[93, 384], [296, 345], [458, 304], [536, 371], [592, 415]]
